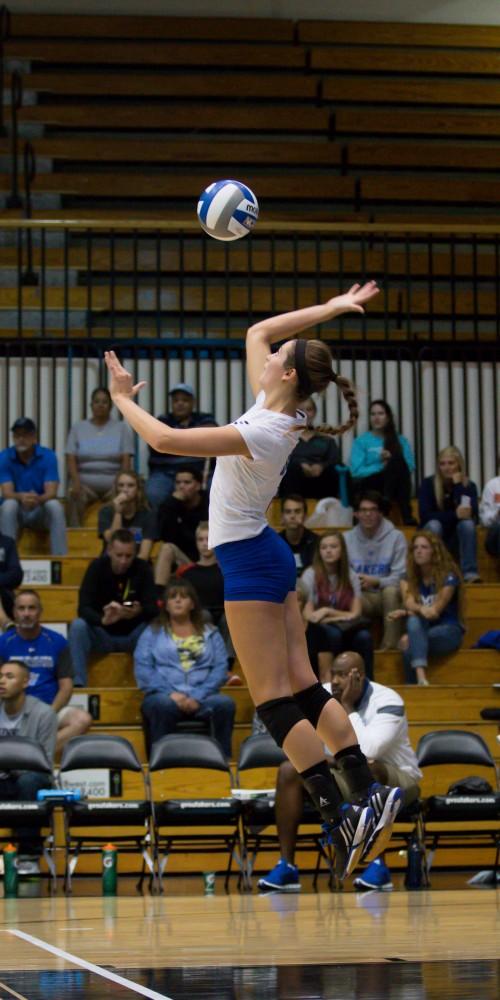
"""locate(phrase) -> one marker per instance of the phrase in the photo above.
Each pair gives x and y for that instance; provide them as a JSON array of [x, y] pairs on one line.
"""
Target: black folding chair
[[259, 817], [92, 823], [201, 727], [195, 823], [481, 812], [20, 754]]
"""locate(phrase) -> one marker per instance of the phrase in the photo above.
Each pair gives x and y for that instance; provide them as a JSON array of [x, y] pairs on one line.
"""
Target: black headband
[[304, 381]]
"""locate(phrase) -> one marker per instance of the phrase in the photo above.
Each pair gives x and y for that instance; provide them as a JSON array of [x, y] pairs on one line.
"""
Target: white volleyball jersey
[[242, 489]]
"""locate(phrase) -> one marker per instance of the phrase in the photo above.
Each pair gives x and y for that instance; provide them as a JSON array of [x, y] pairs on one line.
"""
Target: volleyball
[[227, 210]]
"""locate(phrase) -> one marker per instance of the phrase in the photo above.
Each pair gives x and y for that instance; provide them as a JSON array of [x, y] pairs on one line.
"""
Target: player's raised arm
[[196, 442], [262, 335]]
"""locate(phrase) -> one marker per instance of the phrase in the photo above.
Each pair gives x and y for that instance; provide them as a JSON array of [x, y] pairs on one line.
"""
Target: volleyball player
[[259, 568]]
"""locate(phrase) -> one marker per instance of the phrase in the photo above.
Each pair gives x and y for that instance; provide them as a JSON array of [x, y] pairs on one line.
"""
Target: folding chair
[[20, 754], [480, 812], [90, 824], [258, 813], [202, 727], [193, 823]]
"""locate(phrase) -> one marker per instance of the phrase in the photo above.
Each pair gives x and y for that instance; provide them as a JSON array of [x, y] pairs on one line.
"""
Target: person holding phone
[[448, 506], [117, 600]]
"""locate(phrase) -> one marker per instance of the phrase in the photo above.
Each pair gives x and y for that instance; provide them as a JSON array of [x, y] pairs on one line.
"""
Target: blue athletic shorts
[[257, 569]]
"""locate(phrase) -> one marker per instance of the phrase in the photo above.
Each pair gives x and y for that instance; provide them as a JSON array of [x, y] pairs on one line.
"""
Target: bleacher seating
[[302, 79]]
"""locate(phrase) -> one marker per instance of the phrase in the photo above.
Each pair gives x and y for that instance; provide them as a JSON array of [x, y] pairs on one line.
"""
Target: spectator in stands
[[206, 577], [129, 509], [23, 715], [489, 512], [97, 450], [382, 460], [29, 480], [311, 470], [178, 519], [448, 506], [46, 653], [377, 553], [378, 716], [11, 575], [162, 466], [333, 599], [433, 606], [181, 664], [301, 540], [117, 600]]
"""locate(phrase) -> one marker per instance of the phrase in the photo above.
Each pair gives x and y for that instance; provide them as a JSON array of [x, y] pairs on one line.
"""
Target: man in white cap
[[163, 467]]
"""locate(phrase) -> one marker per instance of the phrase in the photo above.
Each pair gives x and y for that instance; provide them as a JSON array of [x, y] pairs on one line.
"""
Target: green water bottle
[[109, 869], [10, 876]]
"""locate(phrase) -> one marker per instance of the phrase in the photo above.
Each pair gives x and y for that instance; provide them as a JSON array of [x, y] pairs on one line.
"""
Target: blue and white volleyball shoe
[[349, 836], [385, 804]]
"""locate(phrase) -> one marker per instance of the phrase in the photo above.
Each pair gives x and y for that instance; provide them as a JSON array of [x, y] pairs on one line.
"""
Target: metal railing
[[176, 304], [4, 34], [165, 280], [14, 200]]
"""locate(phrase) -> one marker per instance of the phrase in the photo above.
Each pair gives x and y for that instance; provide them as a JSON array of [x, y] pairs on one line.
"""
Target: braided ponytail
[[312, 361], [348, 390]]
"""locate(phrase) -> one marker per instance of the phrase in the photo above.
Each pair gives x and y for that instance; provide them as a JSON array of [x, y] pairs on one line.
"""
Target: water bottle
[[109, 869], [414, 878], [10, 875]]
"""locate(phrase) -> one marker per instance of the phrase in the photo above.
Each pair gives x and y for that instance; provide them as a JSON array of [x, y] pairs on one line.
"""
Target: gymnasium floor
[[439, 943]]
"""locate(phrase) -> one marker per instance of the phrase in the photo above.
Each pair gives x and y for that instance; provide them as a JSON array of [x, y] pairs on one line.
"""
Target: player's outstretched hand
[[120, 380], [355, 298]]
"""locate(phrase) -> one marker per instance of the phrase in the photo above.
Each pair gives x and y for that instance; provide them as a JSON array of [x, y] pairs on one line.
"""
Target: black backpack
[[472, 785]]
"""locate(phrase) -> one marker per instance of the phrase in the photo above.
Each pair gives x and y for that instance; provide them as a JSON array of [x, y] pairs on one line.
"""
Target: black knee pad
[[312, 701], [279, 716]]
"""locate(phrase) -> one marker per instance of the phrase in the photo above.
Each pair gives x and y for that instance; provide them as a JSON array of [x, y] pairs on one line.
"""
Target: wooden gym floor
[[438, 943]]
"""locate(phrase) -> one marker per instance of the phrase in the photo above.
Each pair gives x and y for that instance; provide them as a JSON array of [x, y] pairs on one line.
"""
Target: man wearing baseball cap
[[29, 481], [163, 467]]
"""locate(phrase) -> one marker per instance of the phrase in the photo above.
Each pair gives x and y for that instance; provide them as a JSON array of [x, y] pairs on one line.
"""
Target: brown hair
[[28, 590], [187, 590], [318, 375], [442, 565], [141, 502], [344, 593]]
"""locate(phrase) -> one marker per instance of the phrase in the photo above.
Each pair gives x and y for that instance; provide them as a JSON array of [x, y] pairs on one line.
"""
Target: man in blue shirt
[[46, 654], [29, 481]]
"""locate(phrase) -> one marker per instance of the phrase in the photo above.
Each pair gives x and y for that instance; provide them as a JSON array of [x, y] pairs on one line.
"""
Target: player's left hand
[[121, 382]]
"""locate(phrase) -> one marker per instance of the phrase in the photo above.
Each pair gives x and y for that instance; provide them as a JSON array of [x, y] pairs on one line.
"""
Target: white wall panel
[[57, 393]]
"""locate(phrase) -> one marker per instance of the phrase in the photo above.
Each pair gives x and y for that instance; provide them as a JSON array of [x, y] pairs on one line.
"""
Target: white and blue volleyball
[[228, 210]]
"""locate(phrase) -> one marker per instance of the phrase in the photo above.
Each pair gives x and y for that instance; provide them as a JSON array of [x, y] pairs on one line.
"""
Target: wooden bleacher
[[386, 81], [60, 604], [383, 128]]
